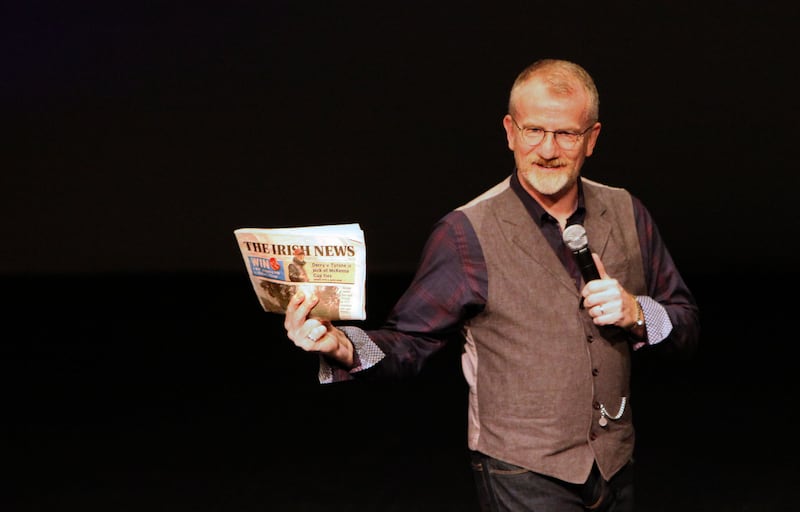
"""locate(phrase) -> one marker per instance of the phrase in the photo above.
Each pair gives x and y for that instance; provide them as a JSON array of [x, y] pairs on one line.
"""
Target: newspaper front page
[[328, 261]]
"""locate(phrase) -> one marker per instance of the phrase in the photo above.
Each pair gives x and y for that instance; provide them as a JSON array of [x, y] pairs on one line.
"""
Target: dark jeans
[[504, 487]]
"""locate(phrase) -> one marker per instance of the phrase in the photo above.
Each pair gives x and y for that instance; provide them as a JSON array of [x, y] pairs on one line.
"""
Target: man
[[297, 268], [546, 356]]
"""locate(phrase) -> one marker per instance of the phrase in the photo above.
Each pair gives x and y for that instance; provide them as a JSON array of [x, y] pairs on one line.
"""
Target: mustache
[[556, 162]]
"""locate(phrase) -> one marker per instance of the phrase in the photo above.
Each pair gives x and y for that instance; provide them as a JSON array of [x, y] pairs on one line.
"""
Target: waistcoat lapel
[[518, 226]]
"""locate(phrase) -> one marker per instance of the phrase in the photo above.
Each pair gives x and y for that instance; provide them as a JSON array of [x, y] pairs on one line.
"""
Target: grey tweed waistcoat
[[539, 370]]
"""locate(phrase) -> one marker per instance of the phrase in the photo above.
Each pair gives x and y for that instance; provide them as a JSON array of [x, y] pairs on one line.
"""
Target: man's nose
[[548, 148]]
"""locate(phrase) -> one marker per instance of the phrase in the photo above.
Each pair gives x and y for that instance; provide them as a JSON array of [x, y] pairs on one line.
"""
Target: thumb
[[601, 269]]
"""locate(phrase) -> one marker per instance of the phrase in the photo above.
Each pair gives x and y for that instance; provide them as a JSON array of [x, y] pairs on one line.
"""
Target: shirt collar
[[536, 211]]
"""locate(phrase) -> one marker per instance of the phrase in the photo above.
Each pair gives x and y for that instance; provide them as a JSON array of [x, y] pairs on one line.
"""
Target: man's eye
[[533, 131]]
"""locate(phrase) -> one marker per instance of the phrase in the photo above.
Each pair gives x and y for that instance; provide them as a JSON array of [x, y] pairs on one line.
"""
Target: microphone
[[575, 238]]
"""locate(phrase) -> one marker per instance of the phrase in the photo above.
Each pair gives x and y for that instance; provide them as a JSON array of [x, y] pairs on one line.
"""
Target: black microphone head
[[575, 237]]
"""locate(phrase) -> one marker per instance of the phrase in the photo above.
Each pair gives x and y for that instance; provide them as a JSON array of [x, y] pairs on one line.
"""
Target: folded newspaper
[[328, 261]]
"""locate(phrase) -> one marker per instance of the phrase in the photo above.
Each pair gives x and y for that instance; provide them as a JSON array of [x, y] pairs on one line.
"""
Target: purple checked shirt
[[451, 286]]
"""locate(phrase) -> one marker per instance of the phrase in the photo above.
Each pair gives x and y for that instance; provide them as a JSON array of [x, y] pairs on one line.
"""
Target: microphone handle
[[586, 264]]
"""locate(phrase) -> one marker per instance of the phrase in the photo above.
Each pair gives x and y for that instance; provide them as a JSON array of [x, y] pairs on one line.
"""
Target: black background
[[140, 136], [139, 372]]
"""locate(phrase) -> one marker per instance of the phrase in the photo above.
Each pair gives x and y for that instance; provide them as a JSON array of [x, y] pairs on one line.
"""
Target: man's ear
[[593, 134], [508, 124]]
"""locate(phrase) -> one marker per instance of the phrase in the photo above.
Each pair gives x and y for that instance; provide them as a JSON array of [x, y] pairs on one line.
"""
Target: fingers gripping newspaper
[[327, 261]]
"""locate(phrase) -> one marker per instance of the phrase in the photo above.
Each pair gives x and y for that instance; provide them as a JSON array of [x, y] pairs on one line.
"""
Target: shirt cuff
[[656, 320], [367, 354]]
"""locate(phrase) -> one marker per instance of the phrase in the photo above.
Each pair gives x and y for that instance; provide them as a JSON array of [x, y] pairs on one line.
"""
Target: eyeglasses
[[564, 139]]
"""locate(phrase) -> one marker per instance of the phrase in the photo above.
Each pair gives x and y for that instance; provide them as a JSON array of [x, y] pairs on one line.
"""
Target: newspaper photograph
[[327, 261]]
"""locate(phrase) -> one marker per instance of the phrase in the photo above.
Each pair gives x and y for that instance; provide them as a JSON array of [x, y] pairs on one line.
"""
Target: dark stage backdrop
[[137, 369], [138, 136]]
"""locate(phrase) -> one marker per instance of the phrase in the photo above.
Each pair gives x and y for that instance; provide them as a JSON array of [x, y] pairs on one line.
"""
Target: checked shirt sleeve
[[449, 287], [670, 310]]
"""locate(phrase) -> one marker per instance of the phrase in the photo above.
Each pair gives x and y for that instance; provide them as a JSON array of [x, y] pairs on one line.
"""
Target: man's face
[[547, 169]]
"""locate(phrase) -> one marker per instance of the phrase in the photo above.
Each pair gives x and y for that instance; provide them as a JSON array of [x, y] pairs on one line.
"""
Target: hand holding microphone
[[607, 301]]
